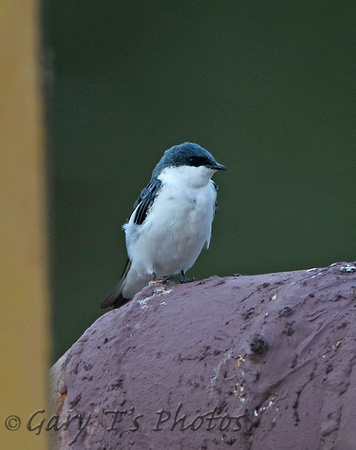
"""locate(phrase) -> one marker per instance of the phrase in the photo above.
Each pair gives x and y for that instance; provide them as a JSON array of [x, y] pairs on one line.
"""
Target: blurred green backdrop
[[267, 86]]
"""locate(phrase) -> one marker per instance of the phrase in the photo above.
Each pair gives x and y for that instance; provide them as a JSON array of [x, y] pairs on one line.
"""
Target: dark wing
[[216, 188], [146, 200], [143, 204], [115, 299]]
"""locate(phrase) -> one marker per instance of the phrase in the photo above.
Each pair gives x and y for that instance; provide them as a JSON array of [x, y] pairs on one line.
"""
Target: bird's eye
[[196, 161]]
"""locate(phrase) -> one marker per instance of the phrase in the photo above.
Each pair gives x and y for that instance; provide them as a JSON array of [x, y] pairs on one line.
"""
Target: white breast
[[178, 224]]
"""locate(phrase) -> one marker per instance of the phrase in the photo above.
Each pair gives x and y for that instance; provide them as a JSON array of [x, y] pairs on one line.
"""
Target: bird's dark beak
[[218, 166]]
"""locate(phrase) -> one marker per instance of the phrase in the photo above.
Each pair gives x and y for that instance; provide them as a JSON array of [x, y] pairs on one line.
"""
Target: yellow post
[[24, 332]]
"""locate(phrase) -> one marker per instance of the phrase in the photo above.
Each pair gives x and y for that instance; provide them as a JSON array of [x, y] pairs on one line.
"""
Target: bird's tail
[[116, 299]]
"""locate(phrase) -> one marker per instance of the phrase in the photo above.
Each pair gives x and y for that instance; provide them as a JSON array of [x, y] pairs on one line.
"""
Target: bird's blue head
[[187, 154]]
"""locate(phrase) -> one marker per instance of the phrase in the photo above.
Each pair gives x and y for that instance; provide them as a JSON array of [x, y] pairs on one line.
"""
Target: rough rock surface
[[243, 362]]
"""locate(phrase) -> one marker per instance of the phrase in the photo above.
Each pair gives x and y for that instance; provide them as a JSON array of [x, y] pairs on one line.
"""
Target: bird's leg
[[184, 279], [168, 278], [156, 280], [163, 279]]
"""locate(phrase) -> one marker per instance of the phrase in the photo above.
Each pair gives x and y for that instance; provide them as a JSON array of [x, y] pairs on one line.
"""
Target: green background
[[268, 87]]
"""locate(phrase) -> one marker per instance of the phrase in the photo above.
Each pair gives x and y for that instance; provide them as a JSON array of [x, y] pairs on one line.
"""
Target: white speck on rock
[[160, 291], [349, 268], [143, 303]]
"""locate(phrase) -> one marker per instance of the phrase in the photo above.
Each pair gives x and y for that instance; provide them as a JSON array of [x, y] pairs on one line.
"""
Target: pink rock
[[243, 362]]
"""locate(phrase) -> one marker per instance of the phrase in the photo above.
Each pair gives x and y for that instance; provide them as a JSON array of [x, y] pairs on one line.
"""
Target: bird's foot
[[184, 279], [156, 281], [161, 280], [168, 278]]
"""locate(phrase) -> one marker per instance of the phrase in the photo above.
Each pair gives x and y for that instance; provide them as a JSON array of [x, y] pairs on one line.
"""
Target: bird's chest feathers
[[185, 206], [178, 223]]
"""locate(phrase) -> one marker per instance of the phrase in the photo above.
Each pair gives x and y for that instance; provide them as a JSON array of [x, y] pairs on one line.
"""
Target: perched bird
[[171, 220]]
